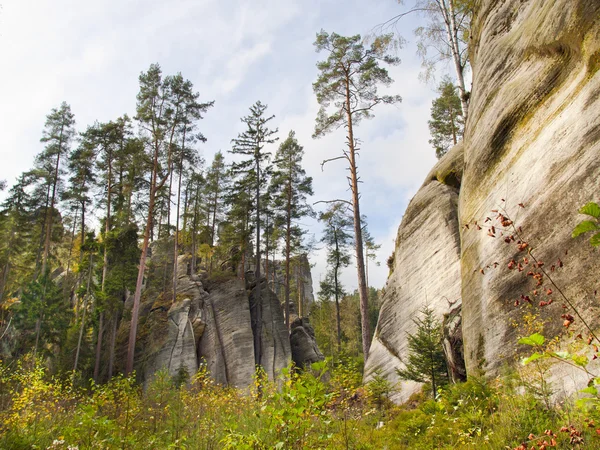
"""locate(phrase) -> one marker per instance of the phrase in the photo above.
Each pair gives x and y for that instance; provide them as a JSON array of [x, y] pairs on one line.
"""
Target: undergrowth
[[325, 408]]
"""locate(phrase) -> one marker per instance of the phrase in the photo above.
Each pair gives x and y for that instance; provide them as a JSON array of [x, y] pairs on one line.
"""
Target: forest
[[152, 298]]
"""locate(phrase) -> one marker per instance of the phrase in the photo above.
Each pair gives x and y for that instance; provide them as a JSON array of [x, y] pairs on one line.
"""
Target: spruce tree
[[426, 362], [251, 143], [290, 187], [346, 89]]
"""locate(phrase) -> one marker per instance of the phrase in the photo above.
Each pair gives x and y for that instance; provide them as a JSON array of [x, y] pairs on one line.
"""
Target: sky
[[235, 52]]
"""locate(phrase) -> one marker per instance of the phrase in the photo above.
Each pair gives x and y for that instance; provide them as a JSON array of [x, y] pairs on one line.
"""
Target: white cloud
[[235, 52]]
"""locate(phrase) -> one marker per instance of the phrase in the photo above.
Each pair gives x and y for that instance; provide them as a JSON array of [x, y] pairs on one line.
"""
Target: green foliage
[[323, 408], [41, 317], [426, 361], [351, 66], [447, 122], [593, 210]]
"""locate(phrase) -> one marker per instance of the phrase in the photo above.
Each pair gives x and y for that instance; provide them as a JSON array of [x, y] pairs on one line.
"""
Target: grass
[[324, 409]]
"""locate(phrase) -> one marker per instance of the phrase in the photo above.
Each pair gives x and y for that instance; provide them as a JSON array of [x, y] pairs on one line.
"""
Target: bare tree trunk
[[154, 187], [257, 298], [112, 344], [338, 318], [52, 200], [176, 243], [360, 261], [104, 265], [448, 12], [288, 250]]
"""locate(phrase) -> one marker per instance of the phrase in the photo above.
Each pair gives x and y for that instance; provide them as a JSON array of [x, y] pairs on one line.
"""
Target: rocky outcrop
[[304, 344], [208, 323], [226, 346], [171, 330], [275, 339], [426, 270], [531, 154], [533, 138]]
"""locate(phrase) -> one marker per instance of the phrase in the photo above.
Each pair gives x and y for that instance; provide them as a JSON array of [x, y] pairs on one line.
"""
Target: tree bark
[[257, 296], [360, 262], [154, 187], [176, 243], [337, 292], [104, 263], [52, 200]]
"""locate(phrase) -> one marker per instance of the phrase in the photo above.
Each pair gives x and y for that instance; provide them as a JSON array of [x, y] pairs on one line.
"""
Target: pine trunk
[[360, 261]]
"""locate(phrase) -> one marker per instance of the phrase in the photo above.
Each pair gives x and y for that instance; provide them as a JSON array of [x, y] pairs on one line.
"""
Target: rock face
[[227, 342], [531, 152], [275, 339], [426, 270], [173, 330], [533, 137], [209, 322], [304, 345]]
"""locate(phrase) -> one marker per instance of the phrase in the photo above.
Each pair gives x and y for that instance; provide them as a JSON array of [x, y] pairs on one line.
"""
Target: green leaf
[[533, 357], [584, 227], [589, 390], [580, 360], [562, 355], [533, 340], [591, 209], [595, 240]]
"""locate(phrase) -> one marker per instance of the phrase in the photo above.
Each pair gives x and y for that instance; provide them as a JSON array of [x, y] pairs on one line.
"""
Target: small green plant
[[592, 210]]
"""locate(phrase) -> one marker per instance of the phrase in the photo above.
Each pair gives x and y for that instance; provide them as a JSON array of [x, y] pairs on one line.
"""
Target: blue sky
[[90, 53]]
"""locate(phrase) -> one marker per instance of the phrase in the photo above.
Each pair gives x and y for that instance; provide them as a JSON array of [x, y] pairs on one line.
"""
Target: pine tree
[[349, 79], [426, 361], [191, 112], [337, 239], [151, 114], [447, 121], [251, 143], [57, 135], [290, 187]]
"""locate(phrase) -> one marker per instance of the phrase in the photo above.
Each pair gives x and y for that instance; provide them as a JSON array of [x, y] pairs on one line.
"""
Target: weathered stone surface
[[226, 344], [453, 344], [533, 137], [173, 332], [426, 270], [275, 342], [304, 345], [301, 287]]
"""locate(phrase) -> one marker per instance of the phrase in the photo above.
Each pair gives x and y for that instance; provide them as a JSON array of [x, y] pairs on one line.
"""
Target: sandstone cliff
[[532, 138], [426, 270], [210, 323]]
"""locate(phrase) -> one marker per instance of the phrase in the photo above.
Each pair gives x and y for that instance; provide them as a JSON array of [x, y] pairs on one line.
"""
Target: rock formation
[[304, 344], [426, 270], [210, 323], [532, 152]]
